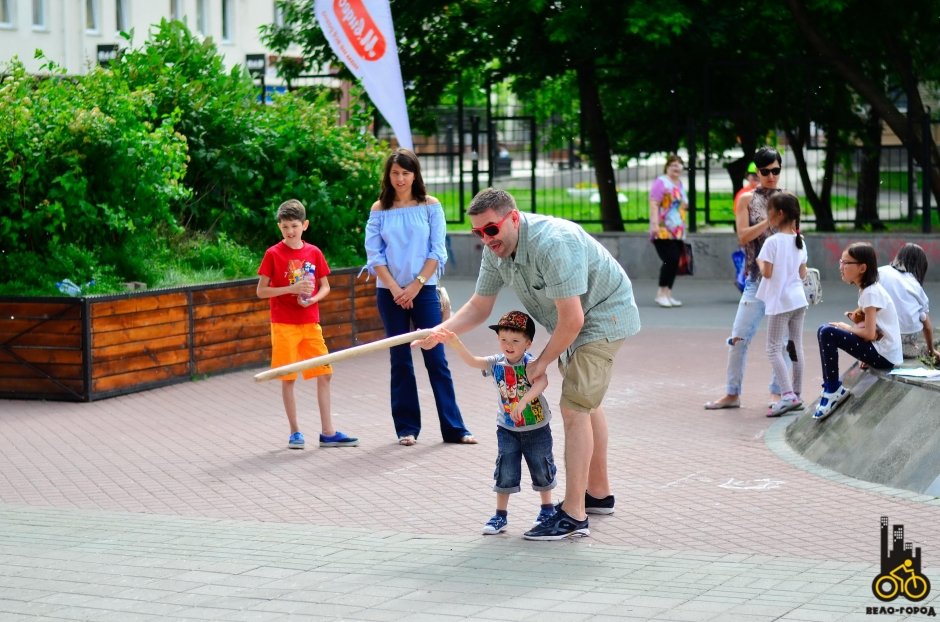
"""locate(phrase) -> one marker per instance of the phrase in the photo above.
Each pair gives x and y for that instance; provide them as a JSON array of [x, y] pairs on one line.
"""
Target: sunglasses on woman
[[767, 172], [492, 230]]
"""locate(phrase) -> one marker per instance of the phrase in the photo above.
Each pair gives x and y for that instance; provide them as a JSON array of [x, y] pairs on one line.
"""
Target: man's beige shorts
[[586, 376]]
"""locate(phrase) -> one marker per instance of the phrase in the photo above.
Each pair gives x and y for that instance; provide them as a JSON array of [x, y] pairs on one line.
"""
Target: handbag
[[444, 299], [442, 296], [686, 261], [812, 286]]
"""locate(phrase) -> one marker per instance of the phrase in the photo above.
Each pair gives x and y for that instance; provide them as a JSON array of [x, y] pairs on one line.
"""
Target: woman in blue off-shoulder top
[[406, 252]]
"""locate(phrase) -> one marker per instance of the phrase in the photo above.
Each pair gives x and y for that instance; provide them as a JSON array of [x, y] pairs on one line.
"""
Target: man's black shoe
[[593, 505], [558, 527]]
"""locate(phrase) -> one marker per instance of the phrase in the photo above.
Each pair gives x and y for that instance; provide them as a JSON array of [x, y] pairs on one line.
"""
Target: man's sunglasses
[[766, 172], [491, 230]]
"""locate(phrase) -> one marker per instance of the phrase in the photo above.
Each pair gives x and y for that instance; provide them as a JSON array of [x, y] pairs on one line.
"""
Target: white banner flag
[[362, 36]]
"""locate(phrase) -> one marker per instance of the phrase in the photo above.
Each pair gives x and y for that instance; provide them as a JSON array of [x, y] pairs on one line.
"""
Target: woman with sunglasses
[[753, 228], [668, 202], [876, 342], [405, 250]]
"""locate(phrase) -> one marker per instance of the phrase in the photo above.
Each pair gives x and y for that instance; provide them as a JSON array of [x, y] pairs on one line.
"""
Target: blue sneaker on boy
[[495, 525], [338, 440], [296, 441], [544, 515]]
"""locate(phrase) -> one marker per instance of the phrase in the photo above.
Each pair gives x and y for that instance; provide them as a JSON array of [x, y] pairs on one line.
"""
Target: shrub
[[164, 165]]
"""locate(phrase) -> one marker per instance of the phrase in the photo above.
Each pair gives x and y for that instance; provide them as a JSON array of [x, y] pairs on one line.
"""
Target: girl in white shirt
[[782, 261], [904, 281], [859, 266]]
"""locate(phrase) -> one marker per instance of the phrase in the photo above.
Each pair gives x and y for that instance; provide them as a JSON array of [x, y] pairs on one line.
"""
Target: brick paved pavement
[[184, 503]]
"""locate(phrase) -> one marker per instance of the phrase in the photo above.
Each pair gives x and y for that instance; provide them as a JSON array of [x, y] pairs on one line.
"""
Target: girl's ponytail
[[787, 204]]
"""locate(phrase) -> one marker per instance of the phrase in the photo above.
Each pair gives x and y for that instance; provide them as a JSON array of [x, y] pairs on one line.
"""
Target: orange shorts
[[291, 343]]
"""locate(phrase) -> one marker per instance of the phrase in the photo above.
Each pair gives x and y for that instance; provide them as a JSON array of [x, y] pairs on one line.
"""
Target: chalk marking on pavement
[[688, 478], [752, 484]]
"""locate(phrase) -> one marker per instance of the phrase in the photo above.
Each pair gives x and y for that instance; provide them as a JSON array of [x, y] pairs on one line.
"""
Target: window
[[202, 17], [121, 17], [39, 14], [227, 20], [176, 10], [278, 15], [6, 13], [92, 21]]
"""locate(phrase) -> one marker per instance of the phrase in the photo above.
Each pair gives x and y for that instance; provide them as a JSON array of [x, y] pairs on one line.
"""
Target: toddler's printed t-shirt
[[512, 384]]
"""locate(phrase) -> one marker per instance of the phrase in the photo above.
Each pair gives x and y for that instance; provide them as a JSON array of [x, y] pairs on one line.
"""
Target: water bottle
[[69, 288], [308, 275]]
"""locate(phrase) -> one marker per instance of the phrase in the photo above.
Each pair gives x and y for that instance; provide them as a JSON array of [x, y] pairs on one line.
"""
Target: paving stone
[[135, 518]]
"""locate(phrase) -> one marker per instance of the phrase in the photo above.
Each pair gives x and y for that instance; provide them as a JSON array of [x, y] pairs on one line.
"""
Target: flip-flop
[[407, 441], [718, 405]]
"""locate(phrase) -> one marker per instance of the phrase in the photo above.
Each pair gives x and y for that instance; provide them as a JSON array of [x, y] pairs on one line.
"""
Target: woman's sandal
[[468, 440], [407, 441]]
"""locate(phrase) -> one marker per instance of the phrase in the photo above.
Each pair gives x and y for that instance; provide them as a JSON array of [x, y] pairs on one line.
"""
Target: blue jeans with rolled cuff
[[536, 447]]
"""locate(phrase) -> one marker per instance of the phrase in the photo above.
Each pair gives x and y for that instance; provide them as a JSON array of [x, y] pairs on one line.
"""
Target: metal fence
[[474, 148]]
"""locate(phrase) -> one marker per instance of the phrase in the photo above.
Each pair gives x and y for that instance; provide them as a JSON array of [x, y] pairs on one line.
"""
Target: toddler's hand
[[516, 413], [446, 336], [432, 340]]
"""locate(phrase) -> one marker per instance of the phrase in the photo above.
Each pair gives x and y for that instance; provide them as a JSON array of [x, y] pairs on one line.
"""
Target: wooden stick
[[342, 355]]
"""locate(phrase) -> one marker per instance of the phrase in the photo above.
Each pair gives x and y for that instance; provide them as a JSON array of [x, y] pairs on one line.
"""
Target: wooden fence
[[83, 349]]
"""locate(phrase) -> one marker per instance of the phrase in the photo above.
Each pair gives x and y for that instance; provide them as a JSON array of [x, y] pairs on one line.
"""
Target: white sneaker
[[674, 302], [828, 402], [662, 301]]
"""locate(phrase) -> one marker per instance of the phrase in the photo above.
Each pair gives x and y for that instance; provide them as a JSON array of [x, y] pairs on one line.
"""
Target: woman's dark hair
[[787, 204], [406, 159], [912, 258], [864, 254], [765, 156], [669, 160]]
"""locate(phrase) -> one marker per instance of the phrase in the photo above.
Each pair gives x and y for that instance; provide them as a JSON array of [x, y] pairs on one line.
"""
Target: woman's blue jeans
[[746, 322], [406, 410]]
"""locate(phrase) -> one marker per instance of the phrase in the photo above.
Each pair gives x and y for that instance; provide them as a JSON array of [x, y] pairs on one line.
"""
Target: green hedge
[[165, 169]]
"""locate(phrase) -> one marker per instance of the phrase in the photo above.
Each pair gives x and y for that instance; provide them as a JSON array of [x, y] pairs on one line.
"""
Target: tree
[[879, 53], [646, 74], [530, 41]]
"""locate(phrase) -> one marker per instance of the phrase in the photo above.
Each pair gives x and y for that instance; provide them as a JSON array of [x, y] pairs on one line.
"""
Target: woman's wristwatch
[[421, 279]]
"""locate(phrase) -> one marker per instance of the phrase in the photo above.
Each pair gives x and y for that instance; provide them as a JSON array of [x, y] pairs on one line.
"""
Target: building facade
[[76, 34]]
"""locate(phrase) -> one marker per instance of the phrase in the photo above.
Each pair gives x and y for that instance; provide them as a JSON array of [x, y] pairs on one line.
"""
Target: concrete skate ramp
[[887, 432]]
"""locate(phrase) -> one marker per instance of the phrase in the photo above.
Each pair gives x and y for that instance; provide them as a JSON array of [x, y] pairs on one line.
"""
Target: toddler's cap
[[516, 320]]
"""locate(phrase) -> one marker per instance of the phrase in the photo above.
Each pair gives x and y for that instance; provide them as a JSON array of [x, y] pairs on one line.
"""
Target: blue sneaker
[[495, 525], [558, 527], [338, 440], [296, 441], [544, 515]]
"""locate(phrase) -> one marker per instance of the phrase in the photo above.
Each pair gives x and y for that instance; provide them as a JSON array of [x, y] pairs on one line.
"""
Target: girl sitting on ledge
[[858, 266]]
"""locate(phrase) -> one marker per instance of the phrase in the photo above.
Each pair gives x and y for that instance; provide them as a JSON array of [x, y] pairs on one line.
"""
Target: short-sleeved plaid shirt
[[556, 258]]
